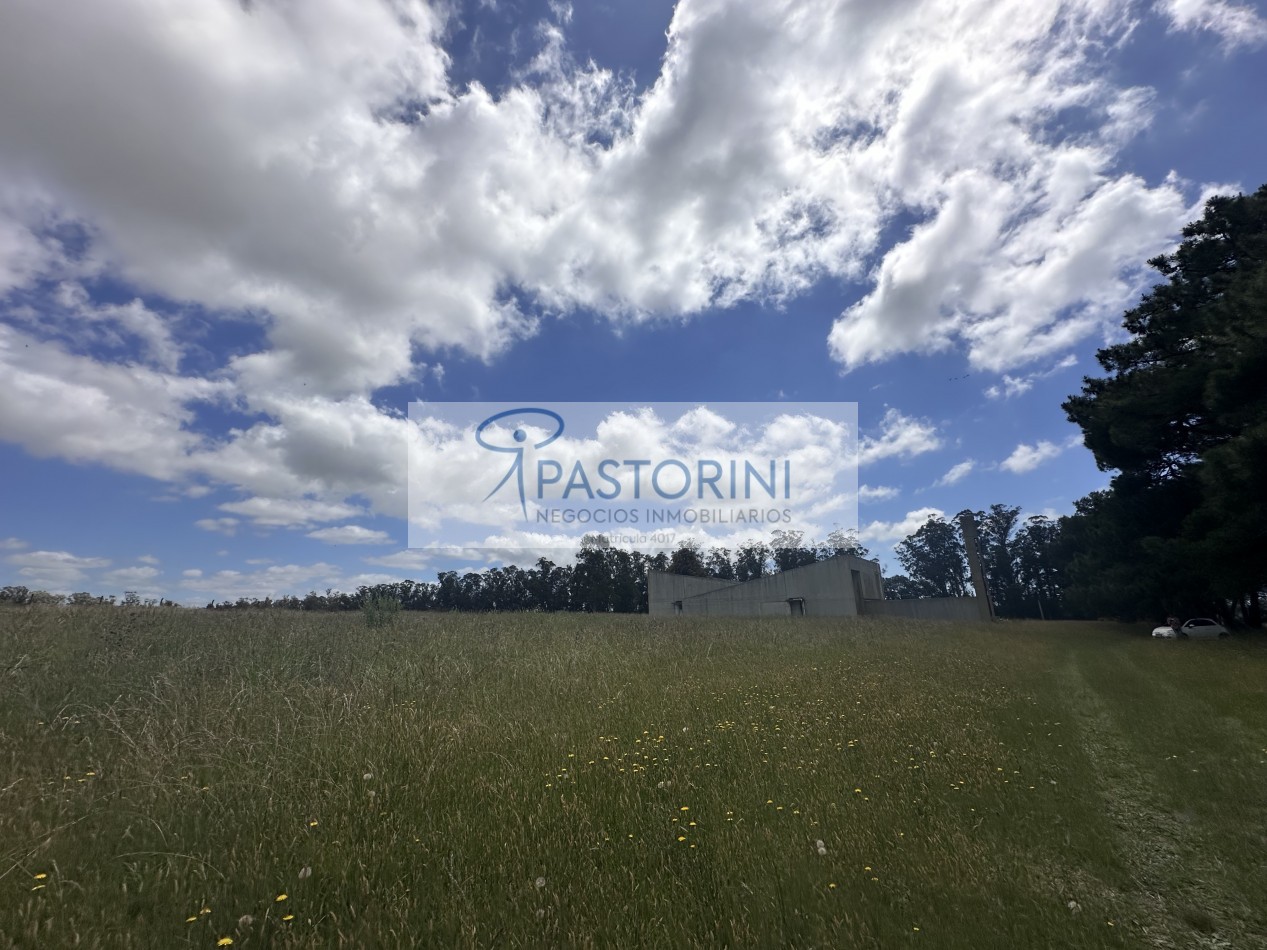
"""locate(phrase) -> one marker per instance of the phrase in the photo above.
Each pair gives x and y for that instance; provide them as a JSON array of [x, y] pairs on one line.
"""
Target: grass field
[[175, 778]]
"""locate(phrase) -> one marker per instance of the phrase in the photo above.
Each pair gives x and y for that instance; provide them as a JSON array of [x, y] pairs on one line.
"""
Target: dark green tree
[[1181, 418], [900, 587], [933, 558], [688, 558]]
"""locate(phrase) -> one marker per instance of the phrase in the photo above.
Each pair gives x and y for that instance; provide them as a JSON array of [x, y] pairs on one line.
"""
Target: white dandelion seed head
[[305, 872], [245, 921], [368, 776], [540, 882], [820, 847]]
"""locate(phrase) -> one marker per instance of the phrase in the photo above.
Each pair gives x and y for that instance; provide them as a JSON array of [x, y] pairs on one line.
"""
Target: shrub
[[379, 610]]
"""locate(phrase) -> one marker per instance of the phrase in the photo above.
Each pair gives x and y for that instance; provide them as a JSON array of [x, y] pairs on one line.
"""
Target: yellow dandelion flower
[[313, 823], [224, 942], [681, 837], [205, 910], [832, 885], [41, 876], [191, 919], [685, 808], [289, 917], [279, 898]]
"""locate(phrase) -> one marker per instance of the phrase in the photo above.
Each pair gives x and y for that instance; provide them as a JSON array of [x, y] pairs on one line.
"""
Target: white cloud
[[227, 526], [350, 534], [286, 512], [74, 407], [273, 581], [957, 473], [292, 201], [877, 492], [12, 544], [57, 571], [1014, 292], [881, 532], [1236, 25], [900, 437], [148, 559], [1016, 386], [1012, 386], [1026, 458], [131, 577], [411, 559]]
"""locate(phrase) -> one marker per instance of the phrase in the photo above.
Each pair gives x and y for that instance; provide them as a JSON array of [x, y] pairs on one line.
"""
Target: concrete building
[[842, 586]]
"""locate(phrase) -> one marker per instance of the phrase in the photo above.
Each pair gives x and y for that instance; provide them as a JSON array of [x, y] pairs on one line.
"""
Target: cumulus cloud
[[1026, 458], [227, 526], [276, 581], [888, 532], [411, 559], [12, 544], [287, 512], [1018, 385], [350, 534], [957, 473], [134, 418], [877, 492], [139, 578], [1011, 386], [900, 437], [57, 571], [331, 186]]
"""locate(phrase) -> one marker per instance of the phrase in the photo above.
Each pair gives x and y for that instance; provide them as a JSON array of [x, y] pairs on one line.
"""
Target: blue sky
[[236, 240]]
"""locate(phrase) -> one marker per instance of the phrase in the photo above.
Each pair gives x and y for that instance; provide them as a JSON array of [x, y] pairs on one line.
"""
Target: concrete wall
[[824, 589], [926, 608], [663, 589]]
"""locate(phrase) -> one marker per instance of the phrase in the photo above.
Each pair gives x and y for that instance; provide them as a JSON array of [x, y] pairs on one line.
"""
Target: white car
[[1197, 628]]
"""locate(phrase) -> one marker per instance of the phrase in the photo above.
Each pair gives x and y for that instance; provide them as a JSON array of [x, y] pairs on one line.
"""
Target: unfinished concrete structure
[[841, 586]]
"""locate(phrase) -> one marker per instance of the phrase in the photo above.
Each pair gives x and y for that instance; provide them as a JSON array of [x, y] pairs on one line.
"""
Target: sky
[[239, 237]]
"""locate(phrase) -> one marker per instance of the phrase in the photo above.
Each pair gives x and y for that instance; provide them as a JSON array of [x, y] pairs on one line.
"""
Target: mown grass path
[[182, 778]]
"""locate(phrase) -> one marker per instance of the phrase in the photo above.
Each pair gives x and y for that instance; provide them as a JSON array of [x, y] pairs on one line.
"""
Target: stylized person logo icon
[[520, 436]]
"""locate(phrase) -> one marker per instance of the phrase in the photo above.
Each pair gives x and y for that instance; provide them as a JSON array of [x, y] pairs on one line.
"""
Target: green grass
[[583, 781]]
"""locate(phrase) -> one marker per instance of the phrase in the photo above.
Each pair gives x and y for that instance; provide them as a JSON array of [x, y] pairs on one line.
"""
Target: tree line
[[604, 579]]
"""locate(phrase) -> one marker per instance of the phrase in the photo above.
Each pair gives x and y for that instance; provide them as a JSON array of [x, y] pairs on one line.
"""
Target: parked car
[[1198, 628]]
